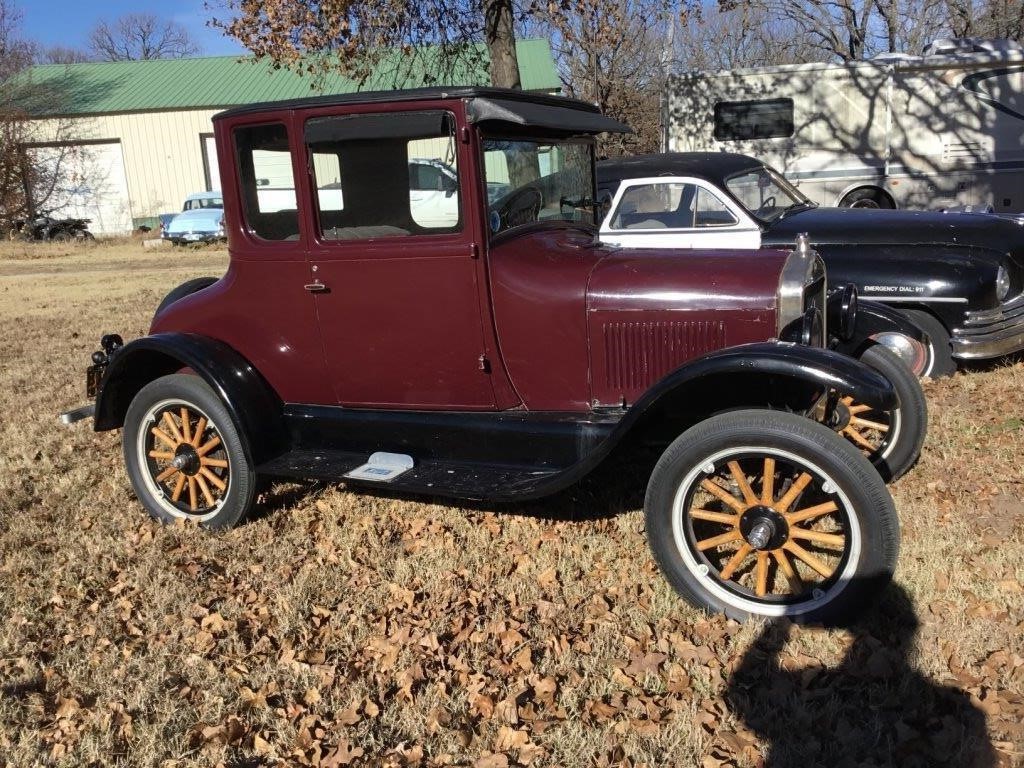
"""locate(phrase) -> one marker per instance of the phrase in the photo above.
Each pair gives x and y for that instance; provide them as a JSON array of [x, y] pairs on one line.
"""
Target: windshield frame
[[799, 198], [533, 136]]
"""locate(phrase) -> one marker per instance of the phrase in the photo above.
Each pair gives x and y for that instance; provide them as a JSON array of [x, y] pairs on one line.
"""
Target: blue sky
[[67, 22]]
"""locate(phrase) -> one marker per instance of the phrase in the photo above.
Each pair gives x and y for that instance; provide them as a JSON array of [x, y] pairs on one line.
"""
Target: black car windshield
[[532, 180], [765, 193]]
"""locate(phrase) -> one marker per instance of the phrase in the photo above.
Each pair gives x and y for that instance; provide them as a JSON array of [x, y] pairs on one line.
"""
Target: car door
[[396, 283], [676, 212]]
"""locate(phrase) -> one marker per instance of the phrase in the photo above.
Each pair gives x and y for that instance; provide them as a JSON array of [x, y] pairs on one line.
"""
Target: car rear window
[[268, 182]]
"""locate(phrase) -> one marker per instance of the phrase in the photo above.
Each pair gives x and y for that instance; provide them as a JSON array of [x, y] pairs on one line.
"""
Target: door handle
[[315, 287]]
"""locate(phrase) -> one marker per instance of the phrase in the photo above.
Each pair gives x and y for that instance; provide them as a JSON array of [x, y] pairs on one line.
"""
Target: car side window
[[670, 205], [385, 175], [268, 182], [709, 211]]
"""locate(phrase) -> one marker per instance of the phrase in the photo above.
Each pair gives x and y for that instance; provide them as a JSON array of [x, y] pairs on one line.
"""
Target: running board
[[463, 480]]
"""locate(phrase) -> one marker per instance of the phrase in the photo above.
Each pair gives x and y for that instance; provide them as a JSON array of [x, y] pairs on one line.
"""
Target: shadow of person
[[873, 709]]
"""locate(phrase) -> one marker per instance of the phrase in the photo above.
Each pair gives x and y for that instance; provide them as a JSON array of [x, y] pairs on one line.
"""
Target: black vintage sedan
[[958, 276]]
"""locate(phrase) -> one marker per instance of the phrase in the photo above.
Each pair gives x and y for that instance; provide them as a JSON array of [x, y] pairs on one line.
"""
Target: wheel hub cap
[[186, 460], [763, 528]]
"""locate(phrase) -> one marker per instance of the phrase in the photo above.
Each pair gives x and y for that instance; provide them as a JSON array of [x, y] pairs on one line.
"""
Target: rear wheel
[[762, 513], [891, 440], [184, 455], [867, 197], [940, 351]]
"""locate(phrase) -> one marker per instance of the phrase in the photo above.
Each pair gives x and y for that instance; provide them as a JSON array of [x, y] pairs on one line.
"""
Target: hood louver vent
[[639, 354]]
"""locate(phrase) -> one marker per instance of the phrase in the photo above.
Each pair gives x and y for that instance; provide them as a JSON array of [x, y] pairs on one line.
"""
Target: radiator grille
[[639, 354]]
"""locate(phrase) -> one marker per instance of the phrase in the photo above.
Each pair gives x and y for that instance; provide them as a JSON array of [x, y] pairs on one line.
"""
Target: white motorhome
[[936, 131]]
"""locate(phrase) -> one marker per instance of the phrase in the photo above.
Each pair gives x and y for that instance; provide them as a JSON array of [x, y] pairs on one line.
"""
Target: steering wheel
[[766, 205], [521, 207]]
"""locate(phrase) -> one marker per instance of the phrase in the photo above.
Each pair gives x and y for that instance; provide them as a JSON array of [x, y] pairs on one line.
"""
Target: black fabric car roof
[[713, 166], [505, 105]]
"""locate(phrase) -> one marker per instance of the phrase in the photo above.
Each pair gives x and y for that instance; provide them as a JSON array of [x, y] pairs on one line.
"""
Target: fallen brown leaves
[[345, 629]]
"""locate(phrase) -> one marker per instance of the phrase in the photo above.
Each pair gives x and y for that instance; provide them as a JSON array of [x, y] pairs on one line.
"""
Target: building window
[[745, 120]]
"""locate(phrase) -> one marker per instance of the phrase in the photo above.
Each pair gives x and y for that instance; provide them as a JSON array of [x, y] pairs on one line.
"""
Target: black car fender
[[254, 406], [873, 319], [764, 374]]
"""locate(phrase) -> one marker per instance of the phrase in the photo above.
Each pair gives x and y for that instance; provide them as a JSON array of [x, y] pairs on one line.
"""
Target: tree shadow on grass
[[873, 709]]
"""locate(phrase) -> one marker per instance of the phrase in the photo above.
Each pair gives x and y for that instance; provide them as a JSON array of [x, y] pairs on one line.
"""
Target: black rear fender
[[765, 375], [254, 406]]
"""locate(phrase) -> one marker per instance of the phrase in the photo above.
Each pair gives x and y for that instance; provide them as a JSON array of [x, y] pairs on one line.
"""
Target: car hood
[[657, 279], [839, 226], [200, 220]]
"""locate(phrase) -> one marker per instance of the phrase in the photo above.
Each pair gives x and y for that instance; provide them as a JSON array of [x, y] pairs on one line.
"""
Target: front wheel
[[763, 513], [184, 455], [940, 351], [892, 440]]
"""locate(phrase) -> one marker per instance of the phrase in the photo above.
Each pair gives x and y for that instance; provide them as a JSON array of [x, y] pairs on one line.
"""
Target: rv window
[[744, 120]]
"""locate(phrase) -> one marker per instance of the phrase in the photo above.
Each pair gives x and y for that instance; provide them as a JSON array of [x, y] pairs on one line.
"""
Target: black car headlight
[[842, 312], [812, 328]]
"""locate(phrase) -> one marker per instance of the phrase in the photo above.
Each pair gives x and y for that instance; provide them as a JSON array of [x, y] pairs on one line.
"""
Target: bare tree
[[15, 52], [59, 54], [357, 37], [29, 180], [613, 53], [987, 18], [139, 36], [734, 38]]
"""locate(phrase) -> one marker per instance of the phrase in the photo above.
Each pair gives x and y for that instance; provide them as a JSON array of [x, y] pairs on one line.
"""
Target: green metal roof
[[96, 88]]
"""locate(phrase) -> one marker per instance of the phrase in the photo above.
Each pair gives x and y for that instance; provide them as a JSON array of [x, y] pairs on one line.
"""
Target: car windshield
[[765, 193], [203, 202], [538, 180]]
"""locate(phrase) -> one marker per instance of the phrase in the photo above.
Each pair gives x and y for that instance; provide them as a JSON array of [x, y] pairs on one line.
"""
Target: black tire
[[940, 351], [185, 289], [863, 516], [892, 441], [867, 197], [212, 457], [84, 235]]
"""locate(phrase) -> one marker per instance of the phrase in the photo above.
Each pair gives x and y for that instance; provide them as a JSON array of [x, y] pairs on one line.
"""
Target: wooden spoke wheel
[[185, 456], [762, 513], [186, 459], [875, 433], [765, 525], [187, 463], [891, 440]]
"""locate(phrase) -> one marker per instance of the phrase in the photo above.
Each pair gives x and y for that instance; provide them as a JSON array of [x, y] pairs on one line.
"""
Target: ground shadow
[[874, 708]]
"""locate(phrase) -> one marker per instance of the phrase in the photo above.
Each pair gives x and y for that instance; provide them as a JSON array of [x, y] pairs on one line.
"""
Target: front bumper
[[991, 333], [193, 237]]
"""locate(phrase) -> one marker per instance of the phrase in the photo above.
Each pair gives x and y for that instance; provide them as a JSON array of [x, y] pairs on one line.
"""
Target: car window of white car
[[670, 205]]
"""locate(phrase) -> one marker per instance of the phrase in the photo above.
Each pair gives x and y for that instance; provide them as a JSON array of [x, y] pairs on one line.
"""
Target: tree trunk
[[500, 34]]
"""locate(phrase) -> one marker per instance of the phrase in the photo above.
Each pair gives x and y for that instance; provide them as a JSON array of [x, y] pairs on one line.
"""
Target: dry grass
[[341, 627]]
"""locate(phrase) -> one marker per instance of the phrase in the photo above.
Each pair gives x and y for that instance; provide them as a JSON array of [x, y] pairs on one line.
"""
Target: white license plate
[[193, 236]]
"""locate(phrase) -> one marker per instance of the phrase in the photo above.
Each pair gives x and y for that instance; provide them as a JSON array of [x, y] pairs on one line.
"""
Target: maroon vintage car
[[456, 329]]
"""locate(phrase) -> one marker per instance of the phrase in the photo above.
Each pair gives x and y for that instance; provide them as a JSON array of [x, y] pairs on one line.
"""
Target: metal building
[[133, 138]]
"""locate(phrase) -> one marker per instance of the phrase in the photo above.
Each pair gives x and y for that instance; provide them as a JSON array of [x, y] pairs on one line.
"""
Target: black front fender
[[809, 368], [874, 318], [254, 406]]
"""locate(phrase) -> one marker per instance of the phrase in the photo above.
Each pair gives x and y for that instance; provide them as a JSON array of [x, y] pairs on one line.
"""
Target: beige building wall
[[163, 153]]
